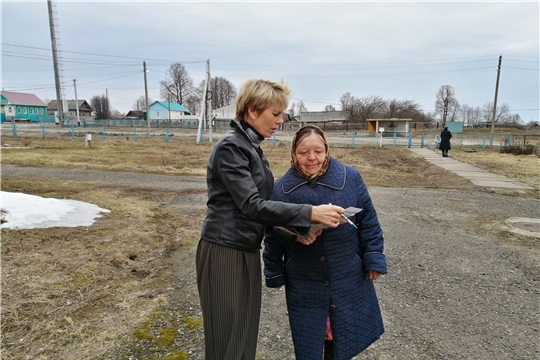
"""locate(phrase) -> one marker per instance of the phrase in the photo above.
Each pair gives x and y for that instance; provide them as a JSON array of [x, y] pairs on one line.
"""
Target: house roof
[[172, 106], [17, 98], [71, 104], [323, 116], [135, 113]]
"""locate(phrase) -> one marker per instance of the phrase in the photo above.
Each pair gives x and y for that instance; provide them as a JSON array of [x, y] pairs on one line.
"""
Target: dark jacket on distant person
[[446, 135], [330, 275]]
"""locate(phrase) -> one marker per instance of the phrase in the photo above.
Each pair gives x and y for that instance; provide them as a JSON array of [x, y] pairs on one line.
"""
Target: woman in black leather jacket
[[240, 183]]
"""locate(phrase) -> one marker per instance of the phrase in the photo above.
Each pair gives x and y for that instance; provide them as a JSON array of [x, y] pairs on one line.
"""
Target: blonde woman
[[239, 211]]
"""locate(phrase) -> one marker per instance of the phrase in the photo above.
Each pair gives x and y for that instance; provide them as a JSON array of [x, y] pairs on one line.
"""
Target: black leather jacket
[[240, 182]]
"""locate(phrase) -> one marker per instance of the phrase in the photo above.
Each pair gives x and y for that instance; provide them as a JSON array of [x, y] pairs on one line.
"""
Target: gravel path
[[459, 285]]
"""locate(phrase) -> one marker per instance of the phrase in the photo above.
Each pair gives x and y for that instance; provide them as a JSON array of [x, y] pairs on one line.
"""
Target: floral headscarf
[[298, 137]]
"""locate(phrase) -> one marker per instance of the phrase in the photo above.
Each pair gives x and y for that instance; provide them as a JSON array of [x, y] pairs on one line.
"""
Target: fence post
[[274, 139], [72, 130], [510, 140], [201, 136], [422, 141], [395, 139], [134, 133], [484, 142], [43, 130], [352, 139], [410, 140], [167, 134], [15, 130], [104, 132]]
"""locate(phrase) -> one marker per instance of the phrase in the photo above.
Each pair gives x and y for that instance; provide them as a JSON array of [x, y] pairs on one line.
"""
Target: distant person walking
[[446, 135]]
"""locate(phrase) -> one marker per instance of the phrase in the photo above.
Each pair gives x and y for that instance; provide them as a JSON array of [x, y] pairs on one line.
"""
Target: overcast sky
[[396, 50]]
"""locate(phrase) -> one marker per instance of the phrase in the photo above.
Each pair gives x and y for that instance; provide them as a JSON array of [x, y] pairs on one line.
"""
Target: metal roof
[[17, 98], [173, 106]]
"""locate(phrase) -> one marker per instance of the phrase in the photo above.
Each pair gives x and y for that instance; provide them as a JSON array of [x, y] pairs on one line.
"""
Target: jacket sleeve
[[274, 266], [233, 165], [370, 232]]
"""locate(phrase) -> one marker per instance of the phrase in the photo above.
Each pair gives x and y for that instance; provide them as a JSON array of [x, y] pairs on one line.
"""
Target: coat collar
[[334, 178]]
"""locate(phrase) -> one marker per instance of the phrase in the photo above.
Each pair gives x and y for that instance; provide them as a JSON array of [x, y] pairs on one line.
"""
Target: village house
[[22, 107], [159, 110], [85, 110]]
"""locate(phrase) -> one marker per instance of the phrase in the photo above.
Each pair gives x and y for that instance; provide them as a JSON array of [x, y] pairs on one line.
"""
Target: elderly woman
[[446, 135], [330, 294], [239, 211]]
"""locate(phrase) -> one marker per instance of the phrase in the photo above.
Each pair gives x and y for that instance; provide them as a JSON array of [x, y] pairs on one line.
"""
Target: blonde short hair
[[260, 95]]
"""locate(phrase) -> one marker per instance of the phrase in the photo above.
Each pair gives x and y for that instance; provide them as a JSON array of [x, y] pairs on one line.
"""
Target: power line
[[104, 55]]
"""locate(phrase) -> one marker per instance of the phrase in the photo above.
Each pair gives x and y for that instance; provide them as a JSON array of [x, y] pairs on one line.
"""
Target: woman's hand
[[311, 239], [329, 215], [373, 275]]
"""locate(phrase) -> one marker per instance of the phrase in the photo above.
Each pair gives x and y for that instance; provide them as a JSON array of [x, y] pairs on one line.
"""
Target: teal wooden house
[[160, 110], [22, 107]]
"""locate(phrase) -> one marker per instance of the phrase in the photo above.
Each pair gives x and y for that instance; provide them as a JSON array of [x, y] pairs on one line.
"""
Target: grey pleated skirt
[[229, 283]]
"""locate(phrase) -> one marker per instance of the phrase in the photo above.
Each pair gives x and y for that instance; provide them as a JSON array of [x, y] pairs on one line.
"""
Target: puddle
[[524, 226]]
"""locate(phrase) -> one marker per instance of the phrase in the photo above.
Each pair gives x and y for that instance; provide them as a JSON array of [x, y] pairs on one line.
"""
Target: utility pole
[[203, 114], [146, 100], [76, 102], [57, 81], [495, 102]]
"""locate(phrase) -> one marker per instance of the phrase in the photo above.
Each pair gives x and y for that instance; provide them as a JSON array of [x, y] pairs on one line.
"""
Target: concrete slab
[[499, 184], [477, 176]]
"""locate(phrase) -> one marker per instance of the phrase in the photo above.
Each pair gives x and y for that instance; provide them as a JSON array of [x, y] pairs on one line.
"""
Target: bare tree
[[100, 104], [350, 104], [329, 108], [193, 103], [371, 107], [140, 103], [402, 109], [222, 91], [361, 109], [515, 119], [116, 114], [296, 108], [446, 104], [301, 107], [177, 86], [502, 113], [292, 109]]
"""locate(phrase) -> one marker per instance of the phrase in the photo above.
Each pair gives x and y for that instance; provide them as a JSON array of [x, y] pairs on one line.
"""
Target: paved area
[[477, 176]]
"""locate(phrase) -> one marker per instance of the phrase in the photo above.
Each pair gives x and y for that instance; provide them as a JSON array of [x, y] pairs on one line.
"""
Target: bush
[[26, 142], [519, 150]]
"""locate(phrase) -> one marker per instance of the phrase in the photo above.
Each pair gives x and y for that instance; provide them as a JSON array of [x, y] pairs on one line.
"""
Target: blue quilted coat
[[330, 275]]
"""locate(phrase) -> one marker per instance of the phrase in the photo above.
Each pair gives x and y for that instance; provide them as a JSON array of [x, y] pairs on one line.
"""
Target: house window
[[32, 111], [25, 110], [10, 110], [41, 111], [157, 113], [19, 109]]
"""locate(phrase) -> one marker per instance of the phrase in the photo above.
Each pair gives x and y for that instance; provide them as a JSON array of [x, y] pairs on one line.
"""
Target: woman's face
[[311, 153], [266, 122]]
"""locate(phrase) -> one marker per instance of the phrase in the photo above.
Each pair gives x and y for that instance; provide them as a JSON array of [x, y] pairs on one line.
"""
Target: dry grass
[[73, 293], [521, 167], [385, 166], [80, 293]]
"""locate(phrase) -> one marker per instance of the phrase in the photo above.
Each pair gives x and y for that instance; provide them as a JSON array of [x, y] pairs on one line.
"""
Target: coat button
[[326, 283], [323, 258], [332, 307]]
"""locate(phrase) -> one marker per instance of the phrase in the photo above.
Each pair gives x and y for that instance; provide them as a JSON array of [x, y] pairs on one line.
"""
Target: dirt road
[[459, 285]]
